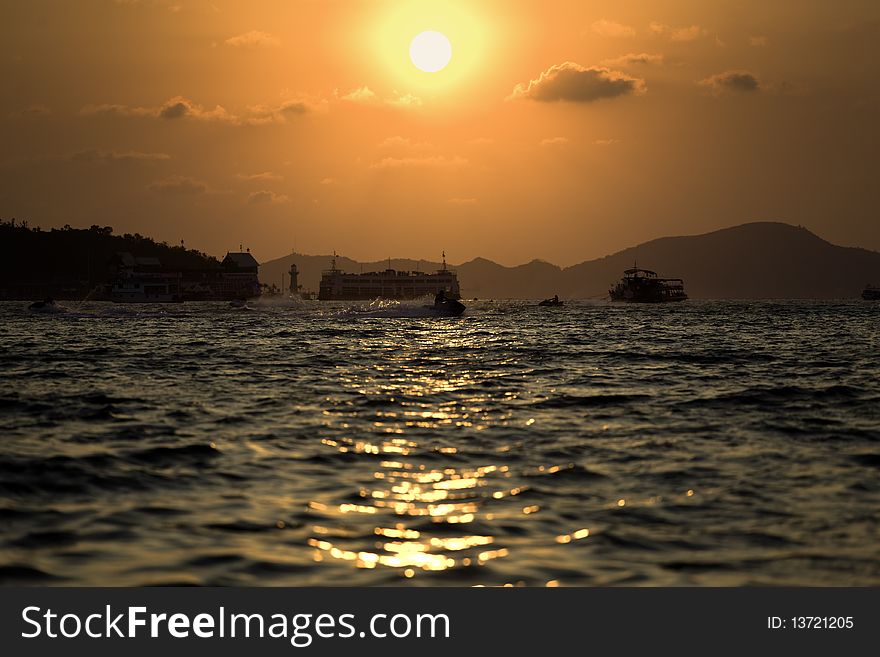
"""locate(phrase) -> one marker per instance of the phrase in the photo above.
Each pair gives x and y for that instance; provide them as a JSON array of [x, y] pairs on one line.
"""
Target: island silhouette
[[760, 260]]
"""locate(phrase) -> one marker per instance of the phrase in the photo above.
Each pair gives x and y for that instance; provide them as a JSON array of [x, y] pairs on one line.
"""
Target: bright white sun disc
[[430, 51]]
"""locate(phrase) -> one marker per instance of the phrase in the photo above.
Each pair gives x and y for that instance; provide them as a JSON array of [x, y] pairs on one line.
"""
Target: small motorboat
[[447, 308], [871, 293], [552, 303], [239, 304], [47, 305]]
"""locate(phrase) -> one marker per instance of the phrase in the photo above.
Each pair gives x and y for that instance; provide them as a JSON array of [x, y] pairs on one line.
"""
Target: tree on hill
[[81, 256]]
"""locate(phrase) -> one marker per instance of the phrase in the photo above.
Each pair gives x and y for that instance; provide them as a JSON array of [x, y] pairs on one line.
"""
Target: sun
[[430, 51], [452, 45]]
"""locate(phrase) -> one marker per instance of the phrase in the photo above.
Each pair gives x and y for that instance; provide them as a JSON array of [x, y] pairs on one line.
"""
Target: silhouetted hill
[[755, 260], [486, 279], [68, 262]]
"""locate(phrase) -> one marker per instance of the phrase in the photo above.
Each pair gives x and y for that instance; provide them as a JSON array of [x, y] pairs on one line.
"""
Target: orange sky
[[562, 129]]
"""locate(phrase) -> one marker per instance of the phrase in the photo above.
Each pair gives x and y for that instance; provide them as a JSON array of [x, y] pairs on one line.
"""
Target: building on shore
[[145, 280]]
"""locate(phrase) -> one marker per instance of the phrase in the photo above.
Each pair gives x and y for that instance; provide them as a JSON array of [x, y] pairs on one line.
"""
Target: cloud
[[115, 109], [174, 108], [178, 186], [404, 100], [691, 33], [93, 155], [403, 142], [265, 196], [635, 59], [366, 96], [554, 141], [433, 162], [606, 142], [265, 114], [758, 41], [253, 39], [180, 107], [679, 34], [35, 110], [732, 81], [462, 201], [265, 175], [148, 3], [573, 83], [328, 181], [607, 28], [362, 95]]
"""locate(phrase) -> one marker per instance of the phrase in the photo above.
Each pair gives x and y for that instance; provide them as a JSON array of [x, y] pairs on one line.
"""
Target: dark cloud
[[93, 155], [34, 110], [574, 83], [263, 175], [181, 107], [734, 81], [633, 58], [266, 114], [174, 110]]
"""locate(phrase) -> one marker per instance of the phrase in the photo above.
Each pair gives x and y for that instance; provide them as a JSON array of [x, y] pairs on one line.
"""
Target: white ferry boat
[[337, 285]]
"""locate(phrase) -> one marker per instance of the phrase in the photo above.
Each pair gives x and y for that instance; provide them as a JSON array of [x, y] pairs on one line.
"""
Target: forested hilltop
[[70, 261]]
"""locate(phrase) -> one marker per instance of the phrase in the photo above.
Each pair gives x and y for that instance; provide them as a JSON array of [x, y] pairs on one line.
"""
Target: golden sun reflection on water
[[420, 509], [417, 506], [406, 493]]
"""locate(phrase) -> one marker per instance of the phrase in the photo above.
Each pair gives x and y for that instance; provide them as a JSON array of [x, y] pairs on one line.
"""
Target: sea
[[291, 443]]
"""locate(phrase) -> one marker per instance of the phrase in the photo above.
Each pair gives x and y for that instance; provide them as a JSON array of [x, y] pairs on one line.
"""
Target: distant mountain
[[751, 261], [763, 260]]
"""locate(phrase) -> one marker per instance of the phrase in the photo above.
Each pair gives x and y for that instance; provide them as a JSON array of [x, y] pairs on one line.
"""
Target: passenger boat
[[644, 286], [337, 285]]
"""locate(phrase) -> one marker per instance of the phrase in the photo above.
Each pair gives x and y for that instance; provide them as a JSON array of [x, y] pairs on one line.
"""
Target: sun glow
[[430, 51], [430, 48]]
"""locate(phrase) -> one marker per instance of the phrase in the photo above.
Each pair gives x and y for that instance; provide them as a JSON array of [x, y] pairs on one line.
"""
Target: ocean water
[[703, 443]]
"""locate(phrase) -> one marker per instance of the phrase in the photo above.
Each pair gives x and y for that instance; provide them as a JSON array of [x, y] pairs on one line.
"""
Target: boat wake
[[47, 308], [396, 309], [292, 302]]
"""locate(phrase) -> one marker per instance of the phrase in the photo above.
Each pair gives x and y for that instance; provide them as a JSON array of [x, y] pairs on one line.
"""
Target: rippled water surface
[[708, 443]]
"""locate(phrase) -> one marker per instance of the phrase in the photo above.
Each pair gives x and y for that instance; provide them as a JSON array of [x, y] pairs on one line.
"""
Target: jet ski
[[46, 306], [553, 303], [447, 308]]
